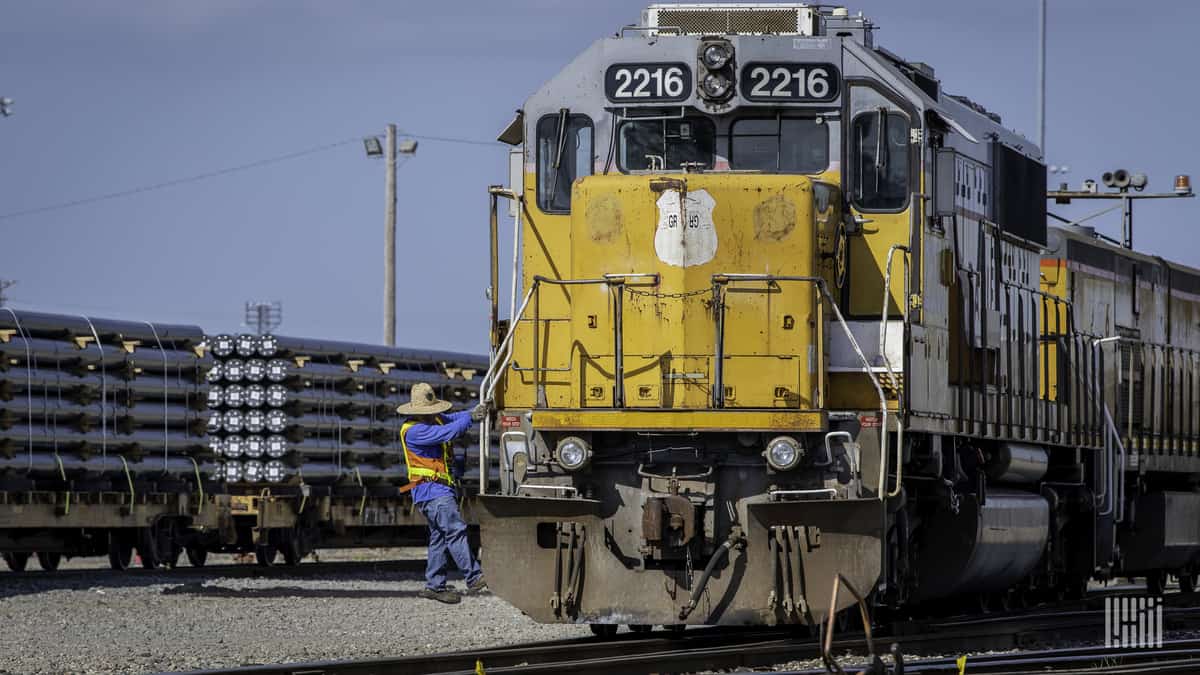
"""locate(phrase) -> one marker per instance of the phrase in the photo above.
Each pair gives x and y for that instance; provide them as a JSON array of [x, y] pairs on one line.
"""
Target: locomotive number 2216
[[648, 82], [789, 82]]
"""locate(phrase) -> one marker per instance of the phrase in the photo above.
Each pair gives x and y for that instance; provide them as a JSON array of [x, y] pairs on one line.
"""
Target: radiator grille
[[741, 21]]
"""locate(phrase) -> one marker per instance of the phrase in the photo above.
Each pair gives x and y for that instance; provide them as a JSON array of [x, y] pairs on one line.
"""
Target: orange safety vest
[[421, 469]]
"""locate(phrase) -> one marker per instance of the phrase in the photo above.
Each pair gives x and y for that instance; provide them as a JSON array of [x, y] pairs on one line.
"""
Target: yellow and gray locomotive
[[784, 310]]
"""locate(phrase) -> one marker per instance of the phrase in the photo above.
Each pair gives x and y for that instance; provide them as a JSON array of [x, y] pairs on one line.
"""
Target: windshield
[[666, 145], [779, 145]]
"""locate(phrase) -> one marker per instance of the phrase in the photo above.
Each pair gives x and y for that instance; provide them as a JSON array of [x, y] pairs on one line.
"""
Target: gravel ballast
[[114, 623]]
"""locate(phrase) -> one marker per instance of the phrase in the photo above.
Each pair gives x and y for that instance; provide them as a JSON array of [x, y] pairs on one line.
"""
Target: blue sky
[[118, 95]]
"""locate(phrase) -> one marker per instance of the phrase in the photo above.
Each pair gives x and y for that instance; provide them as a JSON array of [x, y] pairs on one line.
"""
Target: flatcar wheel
[[16, 561], [1156, 582], [604, 630], [1187, 583], [265, 555], [49, 561], [640, 628], [120, 553], [196, 556]]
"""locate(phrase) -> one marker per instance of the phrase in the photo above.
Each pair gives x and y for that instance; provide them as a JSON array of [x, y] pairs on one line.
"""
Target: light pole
[[1041, 117], [388, 151]]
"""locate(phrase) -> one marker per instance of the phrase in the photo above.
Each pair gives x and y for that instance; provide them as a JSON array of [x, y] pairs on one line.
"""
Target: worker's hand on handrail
[[480, 412]]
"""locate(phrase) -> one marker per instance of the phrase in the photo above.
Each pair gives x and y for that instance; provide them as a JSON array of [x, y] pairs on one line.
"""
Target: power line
[[176, 181], [220, 172]]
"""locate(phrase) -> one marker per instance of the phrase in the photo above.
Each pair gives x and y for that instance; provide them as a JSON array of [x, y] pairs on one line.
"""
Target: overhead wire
[[222, 172]]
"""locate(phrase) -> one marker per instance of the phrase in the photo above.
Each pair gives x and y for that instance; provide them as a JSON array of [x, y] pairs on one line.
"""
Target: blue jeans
[[447, 539]]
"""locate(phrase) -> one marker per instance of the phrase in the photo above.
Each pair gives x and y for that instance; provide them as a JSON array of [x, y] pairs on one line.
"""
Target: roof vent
[[734, 18]]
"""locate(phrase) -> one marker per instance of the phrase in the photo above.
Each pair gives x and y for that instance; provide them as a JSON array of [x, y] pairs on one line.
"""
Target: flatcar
[[787, 313]]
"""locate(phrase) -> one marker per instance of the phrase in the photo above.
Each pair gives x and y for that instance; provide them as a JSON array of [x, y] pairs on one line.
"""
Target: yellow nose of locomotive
[[684, 243]]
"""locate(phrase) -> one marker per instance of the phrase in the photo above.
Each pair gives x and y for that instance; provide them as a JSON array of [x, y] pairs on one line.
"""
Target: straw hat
[[424, 402]]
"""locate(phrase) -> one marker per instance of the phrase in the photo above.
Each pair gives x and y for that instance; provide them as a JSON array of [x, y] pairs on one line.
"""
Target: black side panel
[[1019, 193]]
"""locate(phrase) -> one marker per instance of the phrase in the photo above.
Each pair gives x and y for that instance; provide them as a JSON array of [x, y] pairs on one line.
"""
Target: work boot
[[446, 595], [479, 586]]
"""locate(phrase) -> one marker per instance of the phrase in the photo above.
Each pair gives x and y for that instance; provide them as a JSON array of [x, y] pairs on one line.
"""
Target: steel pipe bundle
[[288, 409], [83, 397]]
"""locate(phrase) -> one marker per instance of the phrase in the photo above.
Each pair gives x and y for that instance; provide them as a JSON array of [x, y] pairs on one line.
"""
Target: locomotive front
[[667, 449]]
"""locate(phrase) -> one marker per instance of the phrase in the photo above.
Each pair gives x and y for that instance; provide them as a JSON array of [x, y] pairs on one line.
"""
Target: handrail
[[883, 319], [1115, 485], [819, 282], [887, 296], [503, 354]]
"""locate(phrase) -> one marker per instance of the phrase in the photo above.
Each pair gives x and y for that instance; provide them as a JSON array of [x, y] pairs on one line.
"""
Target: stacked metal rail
[[100, 404], [319, 412]]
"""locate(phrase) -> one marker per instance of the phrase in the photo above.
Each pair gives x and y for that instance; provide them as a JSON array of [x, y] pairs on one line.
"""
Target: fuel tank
[[984, 547], [1017, 463]]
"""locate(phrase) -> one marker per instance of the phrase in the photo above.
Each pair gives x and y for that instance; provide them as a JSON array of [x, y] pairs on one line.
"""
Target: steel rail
[[722, 648]]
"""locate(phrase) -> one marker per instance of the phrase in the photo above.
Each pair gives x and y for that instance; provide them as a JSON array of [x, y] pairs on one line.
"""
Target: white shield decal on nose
[[686, 235]]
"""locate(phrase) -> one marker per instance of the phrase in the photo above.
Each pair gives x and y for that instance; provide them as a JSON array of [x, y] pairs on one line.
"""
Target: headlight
[[247, 345], [233, 446], [256, 395], [573, 453], [254, 446], [277, 370], [254, 420], [275, 471], [215, 395], [715, 85], [276, 446], [256, 370], [222, 345], [715, 56], [252, 471], [276, 421], [784, 453], [232, 421], [277, 395], [235, 395], [234, 370]]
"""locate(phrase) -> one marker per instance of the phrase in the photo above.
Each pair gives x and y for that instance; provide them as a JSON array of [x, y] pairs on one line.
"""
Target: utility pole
[[1041, 99], [264, 316], [5, 284], [387, 149], [389, 242]]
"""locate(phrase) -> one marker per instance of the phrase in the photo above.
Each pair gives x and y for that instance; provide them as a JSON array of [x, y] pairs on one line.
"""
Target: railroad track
[[717, 648], [306, 569]]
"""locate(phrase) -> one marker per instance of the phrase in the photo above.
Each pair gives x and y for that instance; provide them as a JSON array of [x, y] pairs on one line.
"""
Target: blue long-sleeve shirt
[[426, 440]]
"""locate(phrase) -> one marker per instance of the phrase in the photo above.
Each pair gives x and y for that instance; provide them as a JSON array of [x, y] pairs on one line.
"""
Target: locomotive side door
[[880, 178]]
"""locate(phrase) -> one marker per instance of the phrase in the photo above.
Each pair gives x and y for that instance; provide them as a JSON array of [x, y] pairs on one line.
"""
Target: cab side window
[[564, 153], [879, 160]]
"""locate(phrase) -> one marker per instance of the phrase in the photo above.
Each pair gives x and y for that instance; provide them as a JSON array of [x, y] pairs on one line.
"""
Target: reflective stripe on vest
[[421, 469]]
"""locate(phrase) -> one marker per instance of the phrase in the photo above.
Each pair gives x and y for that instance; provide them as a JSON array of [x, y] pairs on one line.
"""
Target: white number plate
[[789, 82], [647, 82]]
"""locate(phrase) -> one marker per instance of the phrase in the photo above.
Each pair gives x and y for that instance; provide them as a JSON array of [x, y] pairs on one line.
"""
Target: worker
[[425, 438]]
